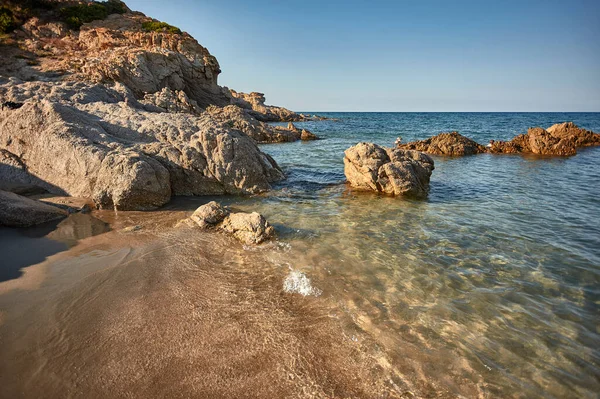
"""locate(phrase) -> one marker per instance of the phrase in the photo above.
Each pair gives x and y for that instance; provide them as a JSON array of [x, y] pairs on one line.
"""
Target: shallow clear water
[[490, 287]]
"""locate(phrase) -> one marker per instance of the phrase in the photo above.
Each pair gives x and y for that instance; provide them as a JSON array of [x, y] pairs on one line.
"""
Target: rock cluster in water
[[249, 228], [406, 173], [561, 139]]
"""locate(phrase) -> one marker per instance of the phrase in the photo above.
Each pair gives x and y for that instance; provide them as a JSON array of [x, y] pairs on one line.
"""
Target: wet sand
[[175, 313]]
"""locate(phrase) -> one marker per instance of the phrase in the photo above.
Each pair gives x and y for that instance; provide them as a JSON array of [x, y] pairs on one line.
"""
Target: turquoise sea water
[[490, 287]]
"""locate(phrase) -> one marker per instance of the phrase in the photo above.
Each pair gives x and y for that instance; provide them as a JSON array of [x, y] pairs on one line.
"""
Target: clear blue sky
[[310, 55]]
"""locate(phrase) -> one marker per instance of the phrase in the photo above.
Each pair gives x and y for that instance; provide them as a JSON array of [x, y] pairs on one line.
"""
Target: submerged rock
[[453, 144], [19, 211], [370, 167], [249, 228]]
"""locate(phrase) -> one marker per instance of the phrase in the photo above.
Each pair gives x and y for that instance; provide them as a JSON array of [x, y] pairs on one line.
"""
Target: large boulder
[[397, 172], [130, 180], [97, 141], [19, 211], [452, 144]]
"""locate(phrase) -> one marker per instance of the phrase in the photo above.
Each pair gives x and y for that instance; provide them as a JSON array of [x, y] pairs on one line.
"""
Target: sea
[[493, 280]]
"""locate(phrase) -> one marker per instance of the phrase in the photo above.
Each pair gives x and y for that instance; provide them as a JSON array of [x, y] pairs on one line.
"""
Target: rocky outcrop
[[164, 67], [452, 144], [561, 139], [249, 228], [255, 104], [240, 119], [579, 137], [120, 49], [18, 211], [397, 172], [97, 141]]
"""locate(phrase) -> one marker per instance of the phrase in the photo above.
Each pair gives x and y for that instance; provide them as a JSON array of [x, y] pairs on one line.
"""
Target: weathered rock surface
[[453, 144], [561, 139], [255, 103], [240, 119], [168, 100], [370, 167], [249, 228], [97, 141], [209, 215], [169, 69], [19, 211], [579, 137]]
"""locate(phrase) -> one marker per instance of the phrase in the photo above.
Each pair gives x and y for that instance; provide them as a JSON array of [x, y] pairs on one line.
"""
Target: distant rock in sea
[[561, 139], [453, 144]]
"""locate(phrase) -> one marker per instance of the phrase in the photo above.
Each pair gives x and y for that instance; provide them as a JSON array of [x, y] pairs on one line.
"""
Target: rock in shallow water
[[370, 167], [249, 228]]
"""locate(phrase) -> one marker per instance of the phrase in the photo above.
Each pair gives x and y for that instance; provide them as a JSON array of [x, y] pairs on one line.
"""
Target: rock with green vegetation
[[77, 15], [157, 26], [7, 22]]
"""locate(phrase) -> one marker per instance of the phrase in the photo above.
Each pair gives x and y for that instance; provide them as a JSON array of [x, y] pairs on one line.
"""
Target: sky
[[525, 55]]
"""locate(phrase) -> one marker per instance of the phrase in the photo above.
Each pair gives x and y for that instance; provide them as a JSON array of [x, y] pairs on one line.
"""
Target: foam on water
[[297, 283]]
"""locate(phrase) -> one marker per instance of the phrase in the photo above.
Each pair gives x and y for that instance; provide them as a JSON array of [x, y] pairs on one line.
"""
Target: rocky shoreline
[[125, 115]]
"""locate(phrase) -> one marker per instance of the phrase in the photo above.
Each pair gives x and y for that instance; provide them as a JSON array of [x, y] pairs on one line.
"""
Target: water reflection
[[29, 246]]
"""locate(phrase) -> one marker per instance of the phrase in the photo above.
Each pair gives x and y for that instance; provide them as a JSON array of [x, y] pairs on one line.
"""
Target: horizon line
[[471, 112]]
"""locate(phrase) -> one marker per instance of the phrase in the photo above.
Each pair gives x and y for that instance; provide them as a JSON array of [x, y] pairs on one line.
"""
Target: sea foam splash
[[297, 282]]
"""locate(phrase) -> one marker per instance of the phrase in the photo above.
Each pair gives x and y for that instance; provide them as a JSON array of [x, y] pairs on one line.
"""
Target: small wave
[[297, 282]]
